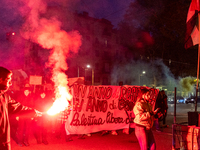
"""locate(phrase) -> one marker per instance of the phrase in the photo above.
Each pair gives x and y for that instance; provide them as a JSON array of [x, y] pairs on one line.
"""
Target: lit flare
[[62, 101]]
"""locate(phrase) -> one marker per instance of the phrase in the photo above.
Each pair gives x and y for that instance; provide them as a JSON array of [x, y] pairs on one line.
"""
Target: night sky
[[14, 14]]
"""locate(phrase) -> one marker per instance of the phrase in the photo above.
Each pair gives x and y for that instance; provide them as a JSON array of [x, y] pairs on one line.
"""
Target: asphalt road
[[113, 142]]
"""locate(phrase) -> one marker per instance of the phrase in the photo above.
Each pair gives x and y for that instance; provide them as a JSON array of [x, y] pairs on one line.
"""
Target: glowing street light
[[87, 67], [143, 72]]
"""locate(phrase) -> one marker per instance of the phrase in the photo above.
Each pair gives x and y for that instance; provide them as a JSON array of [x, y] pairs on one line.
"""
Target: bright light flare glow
[[62, 96], [61, 103]]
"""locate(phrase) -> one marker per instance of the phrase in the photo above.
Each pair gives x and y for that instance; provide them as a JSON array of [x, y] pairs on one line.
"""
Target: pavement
[[96, 141]]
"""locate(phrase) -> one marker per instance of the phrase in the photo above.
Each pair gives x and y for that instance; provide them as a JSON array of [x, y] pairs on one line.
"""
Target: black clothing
[[8, 105]]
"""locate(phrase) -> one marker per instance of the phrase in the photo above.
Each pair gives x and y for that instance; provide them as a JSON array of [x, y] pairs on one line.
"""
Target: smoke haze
[[157, 74]]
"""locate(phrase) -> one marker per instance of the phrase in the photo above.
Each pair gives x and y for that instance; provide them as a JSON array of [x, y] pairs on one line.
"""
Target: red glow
[[148, 39], [139, 45]]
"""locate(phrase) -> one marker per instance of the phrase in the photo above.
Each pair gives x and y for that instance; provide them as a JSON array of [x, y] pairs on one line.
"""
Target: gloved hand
[[156, 111], [38, 113]]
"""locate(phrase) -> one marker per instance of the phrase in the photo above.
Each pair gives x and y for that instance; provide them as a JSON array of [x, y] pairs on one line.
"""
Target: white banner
[[97, 108]]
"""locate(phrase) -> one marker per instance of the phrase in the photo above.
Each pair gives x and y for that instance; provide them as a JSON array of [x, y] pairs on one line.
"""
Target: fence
[[185, 137]]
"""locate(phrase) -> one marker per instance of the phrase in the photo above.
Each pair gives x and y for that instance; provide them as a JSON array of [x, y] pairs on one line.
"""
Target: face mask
[[3, 87]]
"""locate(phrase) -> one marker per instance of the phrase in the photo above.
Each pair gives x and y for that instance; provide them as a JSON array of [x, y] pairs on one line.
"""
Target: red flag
[[192, 32]]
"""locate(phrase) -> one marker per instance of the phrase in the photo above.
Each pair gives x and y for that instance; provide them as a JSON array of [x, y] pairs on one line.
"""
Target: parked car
[[179, 99], [192, 99], [170, 100]]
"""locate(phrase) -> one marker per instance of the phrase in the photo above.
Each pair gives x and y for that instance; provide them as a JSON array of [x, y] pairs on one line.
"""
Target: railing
[[185, 137]]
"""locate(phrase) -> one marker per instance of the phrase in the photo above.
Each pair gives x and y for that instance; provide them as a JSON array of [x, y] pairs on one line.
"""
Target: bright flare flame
[[62, 96]]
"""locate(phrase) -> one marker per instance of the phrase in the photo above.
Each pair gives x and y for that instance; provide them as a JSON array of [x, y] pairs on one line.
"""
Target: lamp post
[[143, 72], [87, 67], [78, 71]]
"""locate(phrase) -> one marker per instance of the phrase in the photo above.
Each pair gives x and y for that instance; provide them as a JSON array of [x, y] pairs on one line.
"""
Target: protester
[[144, 116], [9, 105], [159, 115], [165, 108], [24, 121], [13, 127], [42, 103], [62, 118]]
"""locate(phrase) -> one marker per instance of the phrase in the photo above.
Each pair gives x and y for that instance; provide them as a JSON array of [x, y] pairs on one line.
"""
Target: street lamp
[[87, 67], [143, 72]]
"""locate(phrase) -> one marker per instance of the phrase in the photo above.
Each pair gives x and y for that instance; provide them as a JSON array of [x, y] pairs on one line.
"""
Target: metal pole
[[139, 80], [198, 60], [173, 137], [92, 76], [174, 125], [78, 71], [175, 105], [85, 74]]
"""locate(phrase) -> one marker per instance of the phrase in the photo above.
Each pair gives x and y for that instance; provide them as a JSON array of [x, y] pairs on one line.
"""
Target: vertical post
[[34, 88], [85, 74], [198, 61], [174, 124], [92, 76], [139, 80], [173, 137], [175, 105], [78, 71]]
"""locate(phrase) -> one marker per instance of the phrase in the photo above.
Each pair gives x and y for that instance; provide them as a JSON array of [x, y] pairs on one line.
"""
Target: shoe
[[39, 142], [158, 131], [81, 136], [104, 133], [58, 137], [45, 142], [114, 133], [165, 126], [69, 139], [126, 131], [20, 144], [88, 134], [26, 144]]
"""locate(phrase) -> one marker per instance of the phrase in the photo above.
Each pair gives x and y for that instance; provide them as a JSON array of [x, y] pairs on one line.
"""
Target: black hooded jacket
[[7, 106]]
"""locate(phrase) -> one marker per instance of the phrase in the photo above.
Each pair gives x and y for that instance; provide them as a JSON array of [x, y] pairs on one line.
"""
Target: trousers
[[145, 138]]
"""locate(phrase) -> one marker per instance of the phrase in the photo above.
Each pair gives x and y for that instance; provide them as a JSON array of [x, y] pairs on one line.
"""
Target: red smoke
[[48, 34]]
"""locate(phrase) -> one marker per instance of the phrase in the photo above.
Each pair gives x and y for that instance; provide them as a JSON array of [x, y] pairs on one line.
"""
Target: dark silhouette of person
[[7, 106], [42, 103], [24, 122]]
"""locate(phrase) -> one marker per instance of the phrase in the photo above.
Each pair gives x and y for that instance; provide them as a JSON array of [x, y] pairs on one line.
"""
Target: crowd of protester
[[22, 126], [40, 99]]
